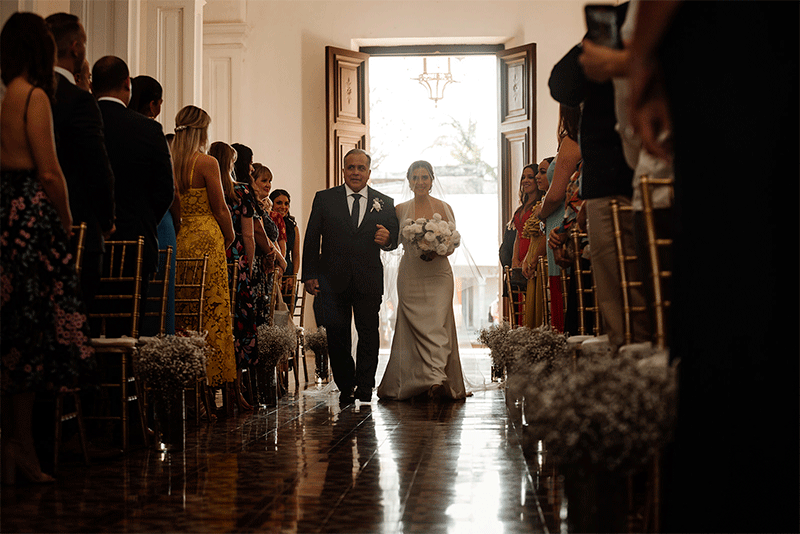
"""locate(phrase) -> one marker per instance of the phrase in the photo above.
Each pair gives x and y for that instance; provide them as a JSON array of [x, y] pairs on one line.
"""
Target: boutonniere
[[377, 205]]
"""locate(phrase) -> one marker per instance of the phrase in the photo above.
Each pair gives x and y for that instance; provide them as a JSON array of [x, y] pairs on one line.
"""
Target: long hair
[[569, 120], [523, 196], [243, 160], [144, 90], [191, 135], [282, 193], [226, 156], [27, 48]]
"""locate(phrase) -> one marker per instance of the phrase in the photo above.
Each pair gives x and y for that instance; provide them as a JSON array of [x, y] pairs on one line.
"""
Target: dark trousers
[[337, 311]]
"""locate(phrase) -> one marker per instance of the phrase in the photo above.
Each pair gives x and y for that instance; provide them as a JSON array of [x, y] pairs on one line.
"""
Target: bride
[[424, 359]]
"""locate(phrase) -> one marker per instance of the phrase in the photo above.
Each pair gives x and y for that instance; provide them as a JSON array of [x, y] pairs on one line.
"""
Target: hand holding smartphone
[[602, 25]]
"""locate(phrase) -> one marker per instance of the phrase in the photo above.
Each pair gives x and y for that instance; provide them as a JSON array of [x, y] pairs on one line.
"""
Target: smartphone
[[601, 21]]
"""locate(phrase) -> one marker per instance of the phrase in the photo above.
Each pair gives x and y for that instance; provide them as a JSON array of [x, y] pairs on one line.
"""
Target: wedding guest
[[83, 79], [82, 154], [147, 98], [734, 336], [140, 158], [241, 252], [263, 270], [606, 176], [44, 331], [534, 312], [552, 211], [207, 229], [280, 206]]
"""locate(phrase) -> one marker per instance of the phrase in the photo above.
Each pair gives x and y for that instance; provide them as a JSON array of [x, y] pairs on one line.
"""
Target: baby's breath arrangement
[[520, 349], [171, 363], [608, 413], [275, 342], [317, 341], [492, 337]]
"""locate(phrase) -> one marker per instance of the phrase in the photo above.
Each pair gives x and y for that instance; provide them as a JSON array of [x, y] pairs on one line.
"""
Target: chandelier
[[435, 82]]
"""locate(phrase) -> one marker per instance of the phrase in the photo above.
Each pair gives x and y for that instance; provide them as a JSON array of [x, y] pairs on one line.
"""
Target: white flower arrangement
[[431, 236], [377, 204], [171, 363], [605, 413], [275, 342]]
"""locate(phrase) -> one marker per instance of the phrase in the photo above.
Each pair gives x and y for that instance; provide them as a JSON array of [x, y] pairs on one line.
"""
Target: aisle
[[305, 466]]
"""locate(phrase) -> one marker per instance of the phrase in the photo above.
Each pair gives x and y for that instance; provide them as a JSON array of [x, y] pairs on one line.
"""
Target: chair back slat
[[78, 243], [190, 286], [120, 289]]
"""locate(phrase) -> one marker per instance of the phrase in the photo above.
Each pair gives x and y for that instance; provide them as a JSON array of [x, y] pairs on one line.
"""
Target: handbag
[[506, 251]]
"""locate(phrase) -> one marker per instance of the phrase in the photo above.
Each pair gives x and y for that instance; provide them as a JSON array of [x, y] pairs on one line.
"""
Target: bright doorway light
[[458, 136]]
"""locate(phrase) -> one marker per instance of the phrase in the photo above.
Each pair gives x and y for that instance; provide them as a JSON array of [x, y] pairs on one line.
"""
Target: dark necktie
[[356, 208]]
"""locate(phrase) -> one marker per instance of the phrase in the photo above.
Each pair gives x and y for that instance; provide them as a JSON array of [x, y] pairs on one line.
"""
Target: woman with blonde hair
[[263, 273], [206, 229]]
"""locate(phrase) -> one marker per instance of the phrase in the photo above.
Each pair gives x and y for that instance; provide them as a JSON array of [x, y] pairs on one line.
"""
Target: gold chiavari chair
[[516, 299], [290, 284], [117, 303], [626, 263], [156, 300], [190, 287], [298, 315], [76, 413], [658, 275], [584, 287], [543, 279], [78, 239]]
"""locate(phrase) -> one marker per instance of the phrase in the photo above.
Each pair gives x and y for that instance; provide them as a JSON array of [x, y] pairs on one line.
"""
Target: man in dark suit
[[81, 150], [140, 159], [348, 227]]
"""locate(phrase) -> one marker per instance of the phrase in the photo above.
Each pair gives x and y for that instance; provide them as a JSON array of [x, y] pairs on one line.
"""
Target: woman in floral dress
[[45, 337], [237, 196]]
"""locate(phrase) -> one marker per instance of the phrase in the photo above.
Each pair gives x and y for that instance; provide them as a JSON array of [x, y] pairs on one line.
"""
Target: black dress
[[45, 335]]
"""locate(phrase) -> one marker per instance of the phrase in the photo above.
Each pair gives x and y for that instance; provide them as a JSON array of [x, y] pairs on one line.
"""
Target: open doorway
[[455, 129]]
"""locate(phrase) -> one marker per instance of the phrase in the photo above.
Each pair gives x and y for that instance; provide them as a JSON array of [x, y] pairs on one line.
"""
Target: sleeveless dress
[[244, 320], [45, 335], [425, 344], [200, 234]]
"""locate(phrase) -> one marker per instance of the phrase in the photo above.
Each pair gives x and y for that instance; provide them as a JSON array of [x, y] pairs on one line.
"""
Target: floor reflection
[[305, 466]]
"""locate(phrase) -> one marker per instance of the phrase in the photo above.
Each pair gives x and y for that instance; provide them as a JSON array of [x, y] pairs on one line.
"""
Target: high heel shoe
[[15, 461]]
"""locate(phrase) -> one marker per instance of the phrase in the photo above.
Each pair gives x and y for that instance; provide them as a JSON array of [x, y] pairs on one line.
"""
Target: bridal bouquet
[[431, 236]]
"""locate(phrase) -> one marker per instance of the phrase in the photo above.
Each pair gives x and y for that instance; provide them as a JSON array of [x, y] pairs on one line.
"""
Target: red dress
[[519, 224]]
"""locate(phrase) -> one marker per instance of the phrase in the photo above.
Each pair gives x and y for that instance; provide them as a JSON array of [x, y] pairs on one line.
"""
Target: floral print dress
[[45, 335], [244, 319]]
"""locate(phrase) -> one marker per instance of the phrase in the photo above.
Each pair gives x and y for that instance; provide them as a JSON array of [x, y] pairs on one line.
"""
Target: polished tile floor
[[308, 465]]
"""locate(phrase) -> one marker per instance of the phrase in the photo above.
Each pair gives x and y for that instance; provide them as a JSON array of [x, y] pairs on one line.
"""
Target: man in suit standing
[[81, 147], [139, 157], [348, 227]]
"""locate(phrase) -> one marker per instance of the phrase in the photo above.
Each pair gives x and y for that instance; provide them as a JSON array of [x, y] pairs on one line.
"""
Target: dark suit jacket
[[347, 254], [142, 167], [81, 147]]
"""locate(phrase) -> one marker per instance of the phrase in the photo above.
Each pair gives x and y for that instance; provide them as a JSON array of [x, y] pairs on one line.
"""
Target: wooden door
[[347, 107], [517, 117]]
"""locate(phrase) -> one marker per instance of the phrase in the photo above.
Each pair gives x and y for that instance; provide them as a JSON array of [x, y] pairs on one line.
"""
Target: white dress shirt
[[65, 73]]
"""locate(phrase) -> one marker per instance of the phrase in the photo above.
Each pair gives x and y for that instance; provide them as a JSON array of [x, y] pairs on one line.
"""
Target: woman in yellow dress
[[206, 227]]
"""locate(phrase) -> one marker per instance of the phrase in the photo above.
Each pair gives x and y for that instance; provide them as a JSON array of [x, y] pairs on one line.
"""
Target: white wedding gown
[[425, 346]]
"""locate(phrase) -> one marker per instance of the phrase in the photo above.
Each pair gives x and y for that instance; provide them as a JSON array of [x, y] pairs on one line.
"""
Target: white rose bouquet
[[431, 236]]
